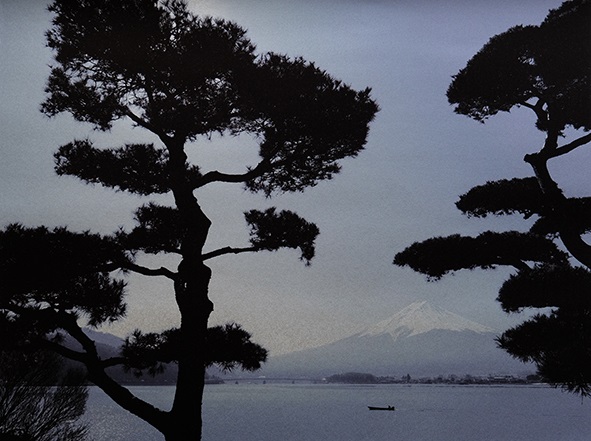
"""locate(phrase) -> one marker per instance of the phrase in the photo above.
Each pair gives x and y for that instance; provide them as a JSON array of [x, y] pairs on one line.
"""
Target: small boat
[[381, 408]]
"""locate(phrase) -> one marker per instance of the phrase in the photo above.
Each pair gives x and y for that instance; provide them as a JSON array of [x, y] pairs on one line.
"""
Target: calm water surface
[[307, 412]]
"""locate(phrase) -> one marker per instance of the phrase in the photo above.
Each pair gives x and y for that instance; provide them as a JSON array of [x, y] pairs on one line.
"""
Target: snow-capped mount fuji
[[420, 340], [421, 317]]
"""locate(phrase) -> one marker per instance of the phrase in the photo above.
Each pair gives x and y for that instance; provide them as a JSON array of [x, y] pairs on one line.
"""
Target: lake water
[[309, 412]]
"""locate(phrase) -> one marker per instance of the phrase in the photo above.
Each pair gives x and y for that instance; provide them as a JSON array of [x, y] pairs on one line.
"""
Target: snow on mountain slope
[[421, 317], [421, 339]]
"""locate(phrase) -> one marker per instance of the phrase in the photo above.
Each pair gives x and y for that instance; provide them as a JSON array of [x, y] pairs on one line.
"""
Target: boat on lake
[[381, 408]]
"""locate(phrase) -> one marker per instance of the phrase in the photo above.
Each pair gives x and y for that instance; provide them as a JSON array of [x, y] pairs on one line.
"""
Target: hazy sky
[[420, 156]]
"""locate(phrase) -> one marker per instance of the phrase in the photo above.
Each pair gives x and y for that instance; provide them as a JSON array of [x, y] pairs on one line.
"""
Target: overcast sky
[[420, 156]]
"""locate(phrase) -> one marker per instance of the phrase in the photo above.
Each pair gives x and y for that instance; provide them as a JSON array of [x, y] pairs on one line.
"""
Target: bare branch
[[148, 271], [518, 264], [113, 361], [124, 398], [538, 108], [572, 145], [146, 125], [216, 176], [96, 373], [228, 250], [64, 351], [70, 325]]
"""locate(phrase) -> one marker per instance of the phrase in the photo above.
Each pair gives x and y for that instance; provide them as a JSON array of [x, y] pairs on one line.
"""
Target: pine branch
[[538, 108], [113, 361], [64, 351], [118, 393], [162, 271], [572, 145], [70, 325], [216, 176], [518, 264], [146, 125], [228, 250]]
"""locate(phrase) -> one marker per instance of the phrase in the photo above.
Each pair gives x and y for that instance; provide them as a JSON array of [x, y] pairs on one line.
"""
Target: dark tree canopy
[[271, 231], [441, 255], [48, 272], [227, 346], [547, 69], [182, 78], [175, 69], [506, 196], [558, 343], [136, 168], [547, 285]]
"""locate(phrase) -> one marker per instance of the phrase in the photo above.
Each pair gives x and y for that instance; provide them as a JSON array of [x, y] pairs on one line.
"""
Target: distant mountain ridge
[[104, 338], [421, 339]]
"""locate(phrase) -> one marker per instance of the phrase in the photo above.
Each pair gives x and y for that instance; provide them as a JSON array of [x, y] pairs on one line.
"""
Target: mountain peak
[[421, 317]]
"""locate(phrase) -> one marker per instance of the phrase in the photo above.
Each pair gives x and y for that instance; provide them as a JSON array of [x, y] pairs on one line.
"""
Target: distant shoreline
[[369, 379]]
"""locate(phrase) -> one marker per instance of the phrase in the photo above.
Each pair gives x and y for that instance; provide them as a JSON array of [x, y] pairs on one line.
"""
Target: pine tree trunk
[[191, 292], [558, 204], [195, 308]]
